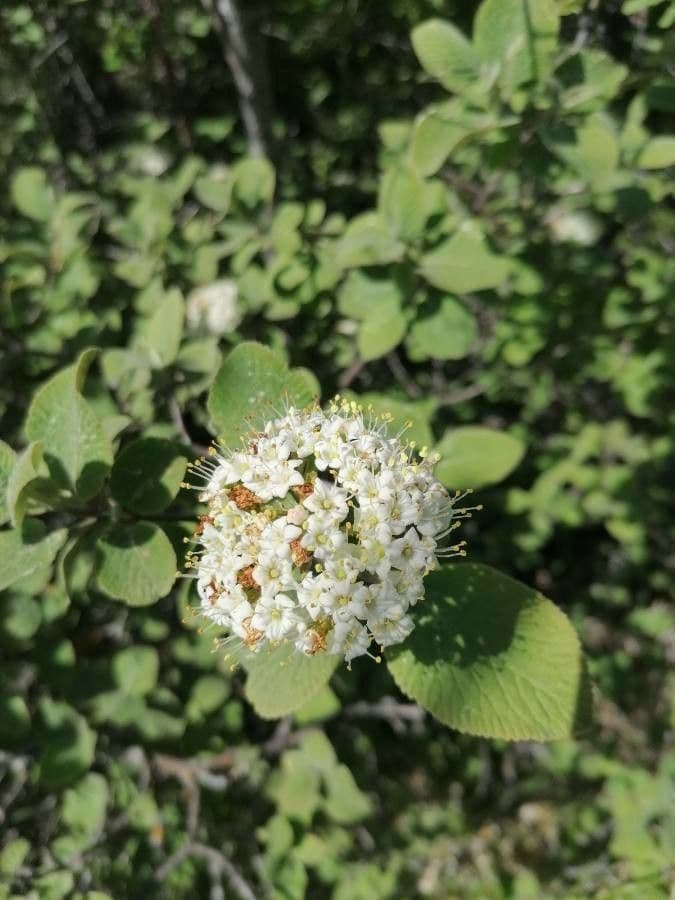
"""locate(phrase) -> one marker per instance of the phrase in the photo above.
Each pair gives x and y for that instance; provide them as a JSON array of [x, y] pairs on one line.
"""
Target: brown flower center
[[243, 498]]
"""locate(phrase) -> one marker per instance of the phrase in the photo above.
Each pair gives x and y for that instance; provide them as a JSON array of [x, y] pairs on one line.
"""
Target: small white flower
[[275, 616], [327, 499], [214, 306]]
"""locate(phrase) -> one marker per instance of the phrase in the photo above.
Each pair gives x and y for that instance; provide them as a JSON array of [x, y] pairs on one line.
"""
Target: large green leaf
[[464, 263], [473, 457], [147, 475], [27, 550], [281, 680], [491, 657], [252, 386], [136, 563], [447, 332], [446, 54], [76, 450], [517, 37]]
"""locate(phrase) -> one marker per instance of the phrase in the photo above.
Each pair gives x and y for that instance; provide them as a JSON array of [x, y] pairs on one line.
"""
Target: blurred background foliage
[[476, 235]]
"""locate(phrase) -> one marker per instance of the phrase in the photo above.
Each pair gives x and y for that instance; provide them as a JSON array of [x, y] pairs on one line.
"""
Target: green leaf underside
[[282, 680], [136, 563], [252, 386], [493, 658], [26, 550], [473, 457], [147, 475]]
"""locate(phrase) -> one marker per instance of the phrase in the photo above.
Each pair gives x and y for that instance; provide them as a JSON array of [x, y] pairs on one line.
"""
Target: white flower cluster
[[215, 307], [320, 532]]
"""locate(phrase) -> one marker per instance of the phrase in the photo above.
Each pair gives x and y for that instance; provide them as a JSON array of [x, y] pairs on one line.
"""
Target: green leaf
[[76, 450], [147, 475], [464, 263], [135, 670], [27, 550], [7, 463], [517, 37], [68, 748], [376, 304], [54, 885], [20, 481], [592, 149], [491, 657], [14, 722], [382, 330], [28, 488], [473, 457], [252, 386], [442, 128], [446, 54], [215, 189], [282, 680], [20, 615], [591, 79], [31, 194], [345, 803], [84, 805], [322, 706], [160, 334], [447, 333], [208, 694], [253, 181], [136, 563], [402, 201], [659, 153], [12, 855], [367, 241]]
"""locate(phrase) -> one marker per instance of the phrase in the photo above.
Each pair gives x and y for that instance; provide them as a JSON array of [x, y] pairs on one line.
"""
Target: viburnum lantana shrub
[[320, 532]]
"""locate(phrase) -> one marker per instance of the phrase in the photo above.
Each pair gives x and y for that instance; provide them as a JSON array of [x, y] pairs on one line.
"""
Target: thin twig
[[351, 373], [280, 738], [218, 864], [388, 709], [399, 372], [179, 425], [460, 395]]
